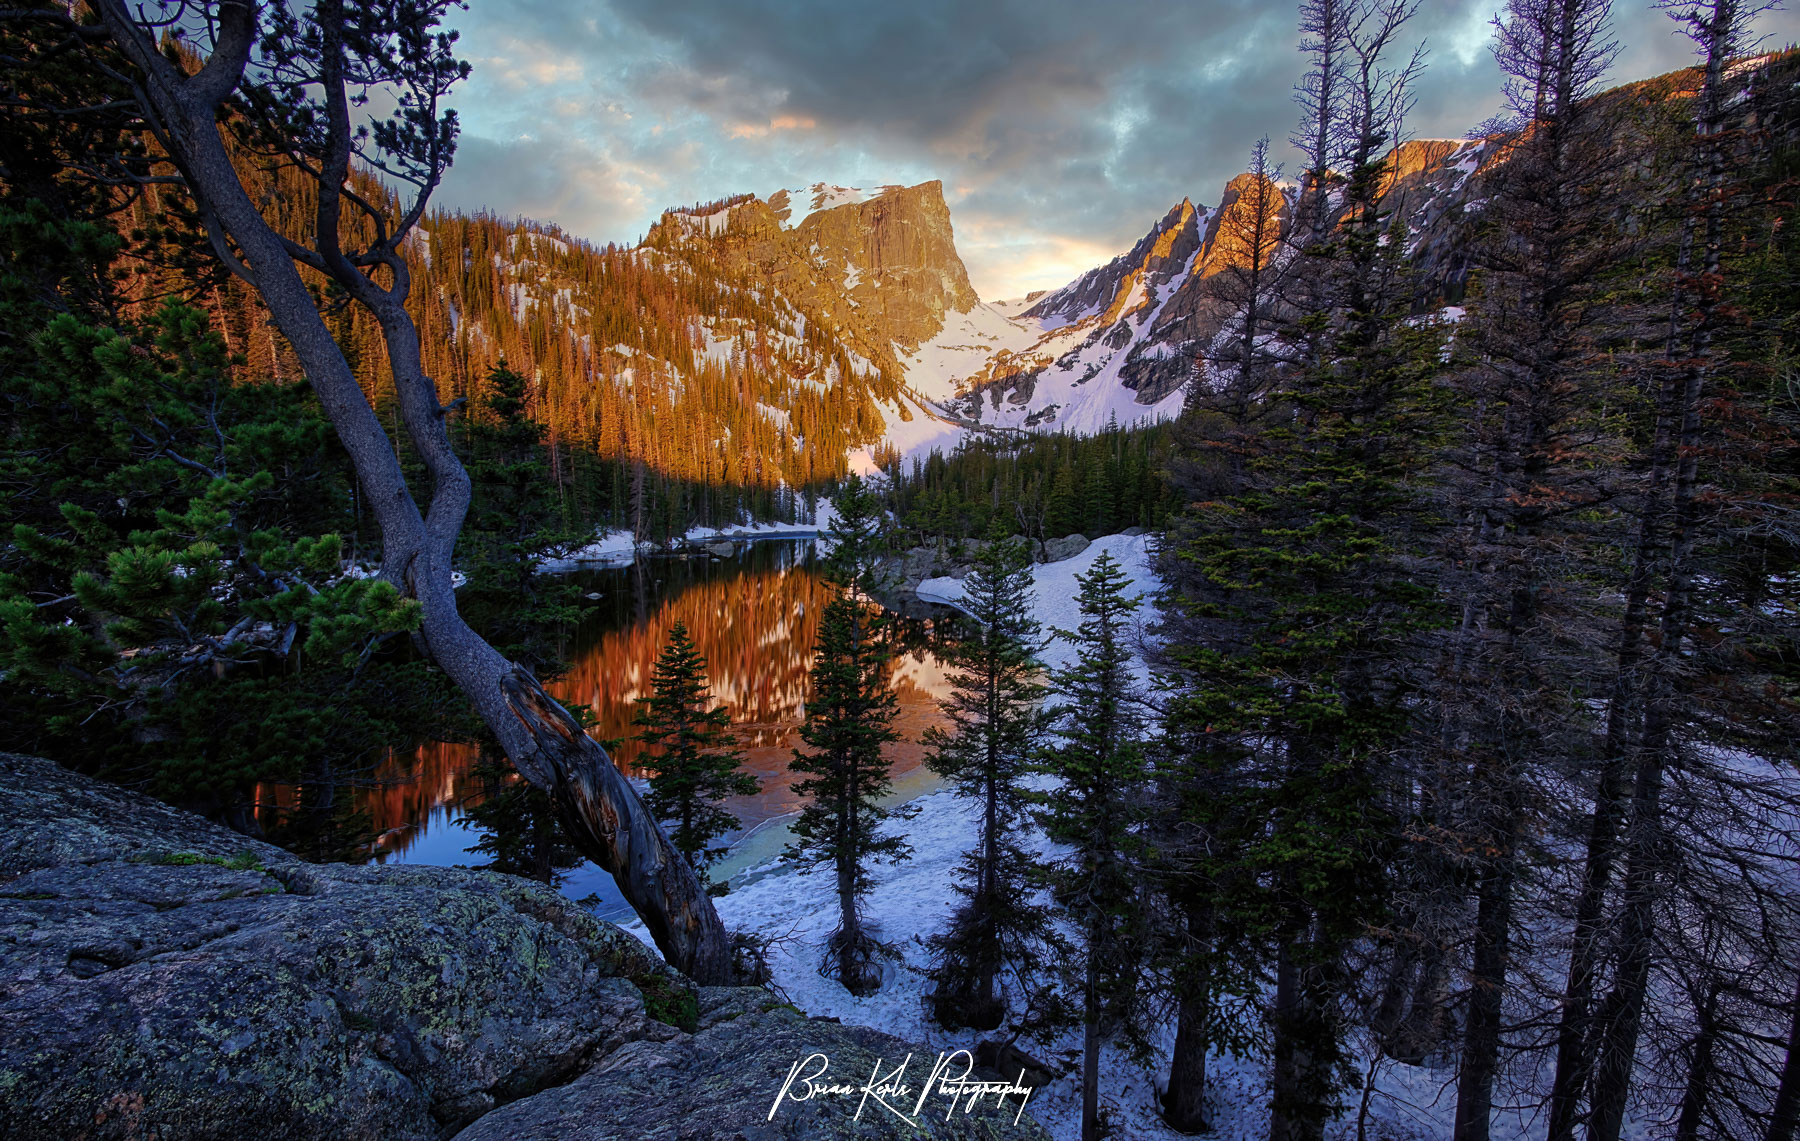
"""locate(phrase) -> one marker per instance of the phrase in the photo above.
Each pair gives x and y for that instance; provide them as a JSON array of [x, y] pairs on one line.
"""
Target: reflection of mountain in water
[[755, 628], [753, 617]]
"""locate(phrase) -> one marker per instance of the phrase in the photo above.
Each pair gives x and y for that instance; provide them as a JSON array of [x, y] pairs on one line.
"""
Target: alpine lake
[[753, 615]]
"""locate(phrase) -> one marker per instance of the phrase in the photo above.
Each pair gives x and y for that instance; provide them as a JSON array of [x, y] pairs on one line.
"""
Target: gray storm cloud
[[1061, 128]]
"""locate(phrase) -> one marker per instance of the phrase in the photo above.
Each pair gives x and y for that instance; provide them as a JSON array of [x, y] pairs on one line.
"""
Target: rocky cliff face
[[897, 253], [1123, 286], [1119, 342], [881, 265], [163, 977], [1164, 360]]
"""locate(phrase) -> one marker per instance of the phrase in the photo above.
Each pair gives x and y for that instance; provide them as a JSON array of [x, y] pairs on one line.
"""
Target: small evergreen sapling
[[693, 766], [849, 717], [996, 717], [1096, 811]]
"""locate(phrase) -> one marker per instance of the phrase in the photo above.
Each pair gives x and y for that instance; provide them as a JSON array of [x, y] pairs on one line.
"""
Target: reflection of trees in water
[[394, 801], [754, 621], [755, 631]]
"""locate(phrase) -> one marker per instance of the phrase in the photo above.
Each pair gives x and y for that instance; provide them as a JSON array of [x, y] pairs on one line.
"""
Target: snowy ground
[[911, 428], [909, 901], [1057, 606], [617, 548]]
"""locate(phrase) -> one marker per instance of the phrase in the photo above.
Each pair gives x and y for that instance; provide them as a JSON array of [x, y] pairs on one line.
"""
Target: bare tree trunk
[[985, 989], [1423, 1029], [1700, 1070], [1090, 1041], [1322, 27], [1481, 1037], [1679, 394], [1282, 1064], [1643, 839], [603, 814], [850, 970], [1184, 1105], [1295, 1111], [1785, 1116], [1573, 1026]]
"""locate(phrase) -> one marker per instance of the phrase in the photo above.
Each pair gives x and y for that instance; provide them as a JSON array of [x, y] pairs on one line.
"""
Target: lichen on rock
[[162, 976]]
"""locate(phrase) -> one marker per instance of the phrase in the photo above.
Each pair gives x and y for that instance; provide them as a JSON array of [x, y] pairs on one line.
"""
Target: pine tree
[[693, 766], [1095, 809], [996, 719], [1552, 239], [849, 716], [173, 608], [514, 523], [1062, 507]]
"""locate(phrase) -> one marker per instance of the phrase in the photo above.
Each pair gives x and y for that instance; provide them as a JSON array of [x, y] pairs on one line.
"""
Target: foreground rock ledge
[[164, 977]]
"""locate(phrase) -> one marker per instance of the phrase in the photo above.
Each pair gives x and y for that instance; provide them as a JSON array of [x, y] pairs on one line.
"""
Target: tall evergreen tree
[[1659, 707], [996, 723], [1292, 612], [849, 718], [1096, 809], [1063, 514], [1550, 238], [515, 522], [693, 764], [1297, 607]]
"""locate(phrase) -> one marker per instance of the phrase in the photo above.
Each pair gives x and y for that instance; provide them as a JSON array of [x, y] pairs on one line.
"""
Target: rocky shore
[[164, 977], [904, 572]]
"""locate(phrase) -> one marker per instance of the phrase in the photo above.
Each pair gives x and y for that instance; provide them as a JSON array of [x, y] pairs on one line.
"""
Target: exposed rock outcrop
[[1112, 291], [161, 976], [710, 1088], [1067, 547], [880, 266], [1165, 358]]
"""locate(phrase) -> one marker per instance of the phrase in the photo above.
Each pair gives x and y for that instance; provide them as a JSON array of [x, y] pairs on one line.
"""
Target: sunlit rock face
[[1119, 343], [1164, 359], [1122, 342], [880, 265], [849, 308], [898, 254], [1120, 288]]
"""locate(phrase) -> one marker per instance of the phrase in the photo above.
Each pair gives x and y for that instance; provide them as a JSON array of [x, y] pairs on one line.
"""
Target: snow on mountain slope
[[1058, 364], [1076, 383], [793, 205], [963, 349], [1121, 343], [914, 427]]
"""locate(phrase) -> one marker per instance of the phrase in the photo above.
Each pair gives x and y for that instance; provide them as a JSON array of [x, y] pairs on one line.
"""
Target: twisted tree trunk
[[602, 812]]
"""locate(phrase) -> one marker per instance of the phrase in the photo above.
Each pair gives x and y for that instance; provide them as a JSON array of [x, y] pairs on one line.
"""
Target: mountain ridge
[[776, 342]]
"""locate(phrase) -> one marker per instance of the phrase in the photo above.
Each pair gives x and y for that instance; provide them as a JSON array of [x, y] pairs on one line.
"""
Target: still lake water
[[753, 617]]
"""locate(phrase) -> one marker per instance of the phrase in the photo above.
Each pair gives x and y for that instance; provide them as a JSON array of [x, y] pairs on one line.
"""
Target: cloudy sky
[[1061, 128]]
